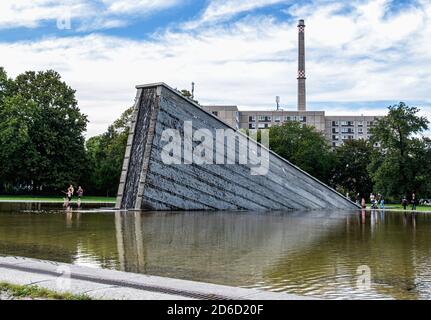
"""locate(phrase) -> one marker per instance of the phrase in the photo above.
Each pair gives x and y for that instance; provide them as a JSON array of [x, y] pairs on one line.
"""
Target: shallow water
[[306, 253]]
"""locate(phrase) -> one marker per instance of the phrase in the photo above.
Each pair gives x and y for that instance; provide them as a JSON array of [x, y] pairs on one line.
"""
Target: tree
[[16, 116], [186, 93], [304, 147], [351, 167], [106, 154], [399, 167], [3, 83], [49, 123]]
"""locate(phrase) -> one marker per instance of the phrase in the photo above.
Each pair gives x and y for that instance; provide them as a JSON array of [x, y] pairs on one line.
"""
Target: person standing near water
[[414, 202], [373, 201], [357, 199], [70, 192], [80, 192], [404, 202], [382, 202]]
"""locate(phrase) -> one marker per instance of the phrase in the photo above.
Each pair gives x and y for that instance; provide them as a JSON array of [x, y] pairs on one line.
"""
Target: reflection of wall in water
[[217, 247]]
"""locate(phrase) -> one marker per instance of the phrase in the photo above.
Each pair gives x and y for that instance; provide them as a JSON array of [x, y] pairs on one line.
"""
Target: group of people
[[414, 202], [71, 191], [378, 201]]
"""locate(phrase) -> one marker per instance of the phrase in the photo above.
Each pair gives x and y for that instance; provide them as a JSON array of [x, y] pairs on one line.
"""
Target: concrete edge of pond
[[57, 202], [118, 285]]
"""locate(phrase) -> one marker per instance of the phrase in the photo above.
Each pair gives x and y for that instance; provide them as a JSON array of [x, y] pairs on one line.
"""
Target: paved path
[[110, 284]]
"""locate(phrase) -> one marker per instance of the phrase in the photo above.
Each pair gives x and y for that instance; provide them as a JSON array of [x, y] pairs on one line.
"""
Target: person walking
[[357, 199], [70, 192], [80, 192], [382, 202], [414, 202], [404, 202], [373, 201]]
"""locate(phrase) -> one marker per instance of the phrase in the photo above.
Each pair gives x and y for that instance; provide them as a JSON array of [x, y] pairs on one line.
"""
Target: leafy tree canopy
[[351, 167], [400, 166], [40, 111], [304, 147]]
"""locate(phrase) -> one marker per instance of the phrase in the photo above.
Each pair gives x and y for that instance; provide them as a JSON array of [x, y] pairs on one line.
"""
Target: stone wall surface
[[150, 184]]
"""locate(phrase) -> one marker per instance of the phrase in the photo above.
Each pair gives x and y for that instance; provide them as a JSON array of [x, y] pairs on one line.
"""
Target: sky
[[361, 55]]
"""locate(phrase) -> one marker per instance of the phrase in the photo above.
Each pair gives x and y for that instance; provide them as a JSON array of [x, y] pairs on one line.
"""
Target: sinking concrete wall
[[147, 183]]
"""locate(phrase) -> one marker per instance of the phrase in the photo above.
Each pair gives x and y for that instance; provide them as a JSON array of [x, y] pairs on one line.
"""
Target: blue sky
[[362, 55]]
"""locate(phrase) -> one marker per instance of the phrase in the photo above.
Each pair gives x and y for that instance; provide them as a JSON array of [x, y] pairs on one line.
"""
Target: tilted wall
[[149, 184]]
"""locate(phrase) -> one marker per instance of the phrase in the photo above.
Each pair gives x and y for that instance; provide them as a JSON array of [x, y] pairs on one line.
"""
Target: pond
[[322, 254]]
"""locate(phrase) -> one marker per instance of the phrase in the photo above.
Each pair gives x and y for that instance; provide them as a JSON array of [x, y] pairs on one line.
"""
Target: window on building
[[360, 131], [252, 118], [286, 118], [277, 118], [335, 130], [347, 123], [215, 113], [252, 125], [334, 137], [264, 118], [360, 123], [335, 123], [261, 125]]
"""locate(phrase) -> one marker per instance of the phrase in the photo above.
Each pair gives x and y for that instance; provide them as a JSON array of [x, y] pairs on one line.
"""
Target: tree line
[[43, 147], [395, 162]]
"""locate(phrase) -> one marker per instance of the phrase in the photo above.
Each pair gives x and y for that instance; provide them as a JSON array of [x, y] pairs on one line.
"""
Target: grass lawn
[[57, 199], [400, 207], [34, 292]]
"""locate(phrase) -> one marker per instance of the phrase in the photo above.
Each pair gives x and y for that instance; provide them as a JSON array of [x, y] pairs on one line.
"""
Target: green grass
[[400, 207], [56, 199], [34, 292]]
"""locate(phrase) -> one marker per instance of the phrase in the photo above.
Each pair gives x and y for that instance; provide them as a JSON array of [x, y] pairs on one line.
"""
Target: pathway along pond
[[306, 253]]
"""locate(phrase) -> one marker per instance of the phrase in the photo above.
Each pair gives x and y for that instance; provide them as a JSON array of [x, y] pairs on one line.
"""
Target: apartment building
[[342, 128], [336, 129]]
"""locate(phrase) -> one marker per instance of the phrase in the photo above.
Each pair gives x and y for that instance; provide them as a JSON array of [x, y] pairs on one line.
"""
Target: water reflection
[[307, 253]]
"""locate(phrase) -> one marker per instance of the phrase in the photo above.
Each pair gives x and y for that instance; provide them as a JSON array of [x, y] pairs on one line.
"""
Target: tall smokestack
[[301, 66]]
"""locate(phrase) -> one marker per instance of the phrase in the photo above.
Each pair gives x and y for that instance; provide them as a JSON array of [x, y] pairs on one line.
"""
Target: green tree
[[304, 147], [186, 93], [105, 154], [16, 116], [50, 124], [400, 166], [351, 167], [3, 83]]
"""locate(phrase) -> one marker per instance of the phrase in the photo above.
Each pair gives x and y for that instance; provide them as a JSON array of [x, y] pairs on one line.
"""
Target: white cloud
[[133, 6], [88, 14], [354, 56], [222, 10]]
